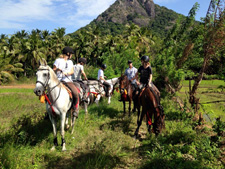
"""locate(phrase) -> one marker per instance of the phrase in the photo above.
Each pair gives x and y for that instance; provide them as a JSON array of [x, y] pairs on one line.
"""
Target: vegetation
[[104, 138]]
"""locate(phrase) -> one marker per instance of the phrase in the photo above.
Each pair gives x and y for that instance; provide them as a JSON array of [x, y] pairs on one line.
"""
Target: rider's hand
[[138, 83]]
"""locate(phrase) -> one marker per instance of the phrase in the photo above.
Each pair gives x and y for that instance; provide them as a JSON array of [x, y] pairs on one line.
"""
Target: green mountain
[[144, 13]]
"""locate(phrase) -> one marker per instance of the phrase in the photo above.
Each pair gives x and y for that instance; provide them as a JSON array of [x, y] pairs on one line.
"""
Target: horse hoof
[[52, 149], [67, 126], [136, 136]]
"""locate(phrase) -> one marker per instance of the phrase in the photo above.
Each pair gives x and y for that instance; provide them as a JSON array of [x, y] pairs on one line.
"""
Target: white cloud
[[24, 9], [19, 14]]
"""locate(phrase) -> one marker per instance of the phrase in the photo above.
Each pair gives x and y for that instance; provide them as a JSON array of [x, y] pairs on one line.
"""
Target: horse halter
[[125, 85], [46, 82]]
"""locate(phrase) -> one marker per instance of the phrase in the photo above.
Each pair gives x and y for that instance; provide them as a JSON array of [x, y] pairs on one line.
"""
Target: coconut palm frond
[[7, 75], [18, 65], [8, 67], [17, 70]]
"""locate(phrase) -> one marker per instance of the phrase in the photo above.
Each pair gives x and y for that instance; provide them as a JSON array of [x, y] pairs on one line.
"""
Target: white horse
[[58, 101], [97, 88]]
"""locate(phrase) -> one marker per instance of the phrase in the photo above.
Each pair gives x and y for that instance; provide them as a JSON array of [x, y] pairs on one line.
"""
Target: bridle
[[125, 86], [45, 84]]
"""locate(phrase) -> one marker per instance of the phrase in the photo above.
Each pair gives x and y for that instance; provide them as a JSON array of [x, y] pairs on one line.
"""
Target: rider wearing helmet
[[145, 72], [101, 78], [79, 70], [64, 69]]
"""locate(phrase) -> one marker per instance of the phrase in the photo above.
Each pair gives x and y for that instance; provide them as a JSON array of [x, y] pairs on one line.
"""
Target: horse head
[[43, 79], [123, 83]]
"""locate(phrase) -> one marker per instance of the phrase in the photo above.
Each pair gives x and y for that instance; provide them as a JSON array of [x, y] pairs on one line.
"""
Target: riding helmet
[[145, 58], [67, 49], [83, 60], [104, 66]]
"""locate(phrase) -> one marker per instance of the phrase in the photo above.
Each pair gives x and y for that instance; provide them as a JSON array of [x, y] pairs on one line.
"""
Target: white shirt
[[68, 68], [65, 66], [100, 74], [78, 68], [130, 72]]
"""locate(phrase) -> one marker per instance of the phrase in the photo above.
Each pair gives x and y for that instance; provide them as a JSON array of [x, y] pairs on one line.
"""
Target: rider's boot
[[75, 113]]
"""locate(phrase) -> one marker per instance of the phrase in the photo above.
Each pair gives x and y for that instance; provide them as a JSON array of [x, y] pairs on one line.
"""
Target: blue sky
[[48, 15]]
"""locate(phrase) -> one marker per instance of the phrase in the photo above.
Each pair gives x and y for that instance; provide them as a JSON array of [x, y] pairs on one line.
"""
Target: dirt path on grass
[[18, 86]]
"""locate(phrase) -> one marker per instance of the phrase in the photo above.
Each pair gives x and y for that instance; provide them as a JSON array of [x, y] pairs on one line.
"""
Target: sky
[[17, 15]]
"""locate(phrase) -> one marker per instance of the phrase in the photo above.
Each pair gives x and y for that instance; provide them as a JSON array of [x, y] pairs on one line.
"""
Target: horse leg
[[139, 122], [55, 142], [97, 99], [124, 107], [63, 118], [149, 120], [85, 108], [67, 121], [109, 100], [129, 107]]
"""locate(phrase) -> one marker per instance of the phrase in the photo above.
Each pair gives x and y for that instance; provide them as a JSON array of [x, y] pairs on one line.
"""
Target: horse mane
[[52, 73], [125, 78]]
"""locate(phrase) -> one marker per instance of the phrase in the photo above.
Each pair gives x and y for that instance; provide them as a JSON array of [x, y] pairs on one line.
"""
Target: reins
[[45, 85]]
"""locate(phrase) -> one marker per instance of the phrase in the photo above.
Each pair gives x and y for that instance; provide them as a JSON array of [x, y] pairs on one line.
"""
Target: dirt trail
[[19, 86]]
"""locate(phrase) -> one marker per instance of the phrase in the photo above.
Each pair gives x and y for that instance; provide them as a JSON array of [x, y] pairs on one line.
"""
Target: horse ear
[[45, 62], [42, 62]]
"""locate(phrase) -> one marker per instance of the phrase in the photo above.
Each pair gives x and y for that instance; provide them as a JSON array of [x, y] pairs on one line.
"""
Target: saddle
[[68, 90]]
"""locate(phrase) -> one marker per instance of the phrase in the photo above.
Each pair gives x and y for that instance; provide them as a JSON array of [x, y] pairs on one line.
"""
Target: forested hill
[[144, 13]]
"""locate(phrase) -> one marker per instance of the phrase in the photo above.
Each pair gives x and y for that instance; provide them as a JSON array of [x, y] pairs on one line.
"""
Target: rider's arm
[[83, 73], [101, 78], [56, 69], [135, 77], [150, 79], [69, 73]]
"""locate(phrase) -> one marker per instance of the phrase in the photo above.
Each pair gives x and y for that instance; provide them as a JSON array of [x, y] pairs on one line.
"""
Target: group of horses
[[59, 101]]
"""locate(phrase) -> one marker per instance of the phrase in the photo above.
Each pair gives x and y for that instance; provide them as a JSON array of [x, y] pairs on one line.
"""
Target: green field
[[103, 138], [209, 92]]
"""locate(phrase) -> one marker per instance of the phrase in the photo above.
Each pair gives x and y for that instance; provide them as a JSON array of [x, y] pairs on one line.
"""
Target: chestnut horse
[[150, 103], [126, 91]]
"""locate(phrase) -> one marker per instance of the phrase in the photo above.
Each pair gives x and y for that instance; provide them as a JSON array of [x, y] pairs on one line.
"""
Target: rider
[[145, 75], [64, 69], [130, 73], [76, 77], [101, 78]]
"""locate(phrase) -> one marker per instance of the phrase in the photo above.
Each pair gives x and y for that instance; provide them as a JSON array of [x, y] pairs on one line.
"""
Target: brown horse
[[126, 91], [150, 102]]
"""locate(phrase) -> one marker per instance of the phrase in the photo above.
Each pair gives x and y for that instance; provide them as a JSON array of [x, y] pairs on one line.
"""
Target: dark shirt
[[145, 74]]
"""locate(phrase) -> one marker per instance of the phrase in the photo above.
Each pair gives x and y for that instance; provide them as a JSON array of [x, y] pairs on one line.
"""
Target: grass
[[208, 91], [102, 139]]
